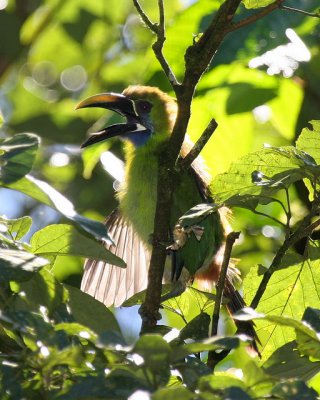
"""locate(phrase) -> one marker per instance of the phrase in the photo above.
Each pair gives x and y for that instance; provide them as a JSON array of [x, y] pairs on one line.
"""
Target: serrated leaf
[[309, 141], [19, 265], [63, 239], [17, 155], [17, 227], [285, 296], [278, 167], [46, 194]]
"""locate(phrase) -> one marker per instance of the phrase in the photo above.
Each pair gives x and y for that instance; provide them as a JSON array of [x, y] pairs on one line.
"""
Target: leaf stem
[[231, 238]]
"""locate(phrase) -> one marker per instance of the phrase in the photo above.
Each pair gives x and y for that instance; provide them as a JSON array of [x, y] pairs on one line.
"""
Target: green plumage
[[138, 196]]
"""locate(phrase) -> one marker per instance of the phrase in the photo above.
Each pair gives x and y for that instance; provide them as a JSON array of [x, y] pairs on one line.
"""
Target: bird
[[150, 115]]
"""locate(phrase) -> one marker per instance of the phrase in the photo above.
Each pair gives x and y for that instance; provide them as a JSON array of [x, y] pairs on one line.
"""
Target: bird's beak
[[115, 102]]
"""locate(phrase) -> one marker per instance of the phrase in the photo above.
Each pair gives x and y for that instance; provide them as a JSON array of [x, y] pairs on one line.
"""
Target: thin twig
[[231, 238], [315, 15], [153, 27], [158, 47], [186, 162], [253, 18], [270, 217]]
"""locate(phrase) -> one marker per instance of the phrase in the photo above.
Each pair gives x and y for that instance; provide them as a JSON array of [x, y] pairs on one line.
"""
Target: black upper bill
[[118, 103]]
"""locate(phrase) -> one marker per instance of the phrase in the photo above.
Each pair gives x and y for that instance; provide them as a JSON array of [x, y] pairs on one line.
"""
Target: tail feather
[[235, 304]]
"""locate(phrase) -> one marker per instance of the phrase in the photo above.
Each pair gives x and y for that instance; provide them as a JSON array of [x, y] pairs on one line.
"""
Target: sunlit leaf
[[17, 228], [46, 194], [257, 3], [62, 239], [309, 141], [284, 296], [19, 265], [277, 168]]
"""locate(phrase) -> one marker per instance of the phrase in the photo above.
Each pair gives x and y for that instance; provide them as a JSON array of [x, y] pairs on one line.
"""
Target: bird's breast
[[137, 198]]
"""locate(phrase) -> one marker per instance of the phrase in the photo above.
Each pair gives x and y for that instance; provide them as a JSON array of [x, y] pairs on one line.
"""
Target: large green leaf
[[46, 194], [62, 239], [285, 296], [17, 155], [264, 172], [90, 312], [287, 363]]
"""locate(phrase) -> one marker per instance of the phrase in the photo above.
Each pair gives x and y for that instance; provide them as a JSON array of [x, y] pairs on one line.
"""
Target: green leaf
[[90, 312], [46, 194], [17, 228], [197, 328], [62, 239], [257, 3], [213, 343], [306, 337], [191, 370], [17, 155], [287, 363], [71, 356], [196, 214], [285, 296], [42, 289], [228, 386], [139, 298], [155, 352], [263, 173], [309, 141], [173, 393], [19, 265], [294, 390]]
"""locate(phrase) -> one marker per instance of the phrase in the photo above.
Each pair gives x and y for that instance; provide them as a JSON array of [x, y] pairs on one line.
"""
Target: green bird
[[150, 115]]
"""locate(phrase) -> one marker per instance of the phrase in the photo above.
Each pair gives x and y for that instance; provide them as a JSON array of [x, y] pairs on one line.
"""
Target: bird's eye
[[144, 106]]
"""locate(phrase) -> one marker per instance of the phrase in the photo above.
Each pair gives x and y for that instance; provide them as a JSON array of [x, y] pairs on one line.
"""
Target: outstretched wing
[[110, 284]]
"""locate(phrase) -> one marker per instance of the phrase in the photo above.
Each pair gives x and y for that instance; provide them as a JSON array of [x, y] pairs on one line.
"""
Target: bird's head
[[148, 112]]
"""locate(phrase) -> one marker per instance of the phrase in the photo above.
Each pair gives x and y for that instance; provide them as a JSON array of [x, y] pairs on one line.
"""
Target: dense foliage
[[59, 343]]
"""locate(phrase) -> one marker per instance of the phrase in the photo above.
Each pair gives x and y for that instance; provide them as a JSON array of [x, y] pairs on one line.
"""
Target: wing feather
[[108, 283]]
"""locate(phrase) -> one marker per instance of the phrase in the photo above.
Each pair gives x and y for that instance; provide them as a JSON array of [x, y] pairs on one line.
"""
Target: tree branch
[[255, 17], [153, 27], [186, 162], [160, 31]]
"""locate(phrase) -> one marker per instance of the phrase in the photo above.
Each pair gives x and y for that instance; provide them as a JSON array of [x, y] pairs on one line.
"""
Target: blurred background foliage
[[263, 87]]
